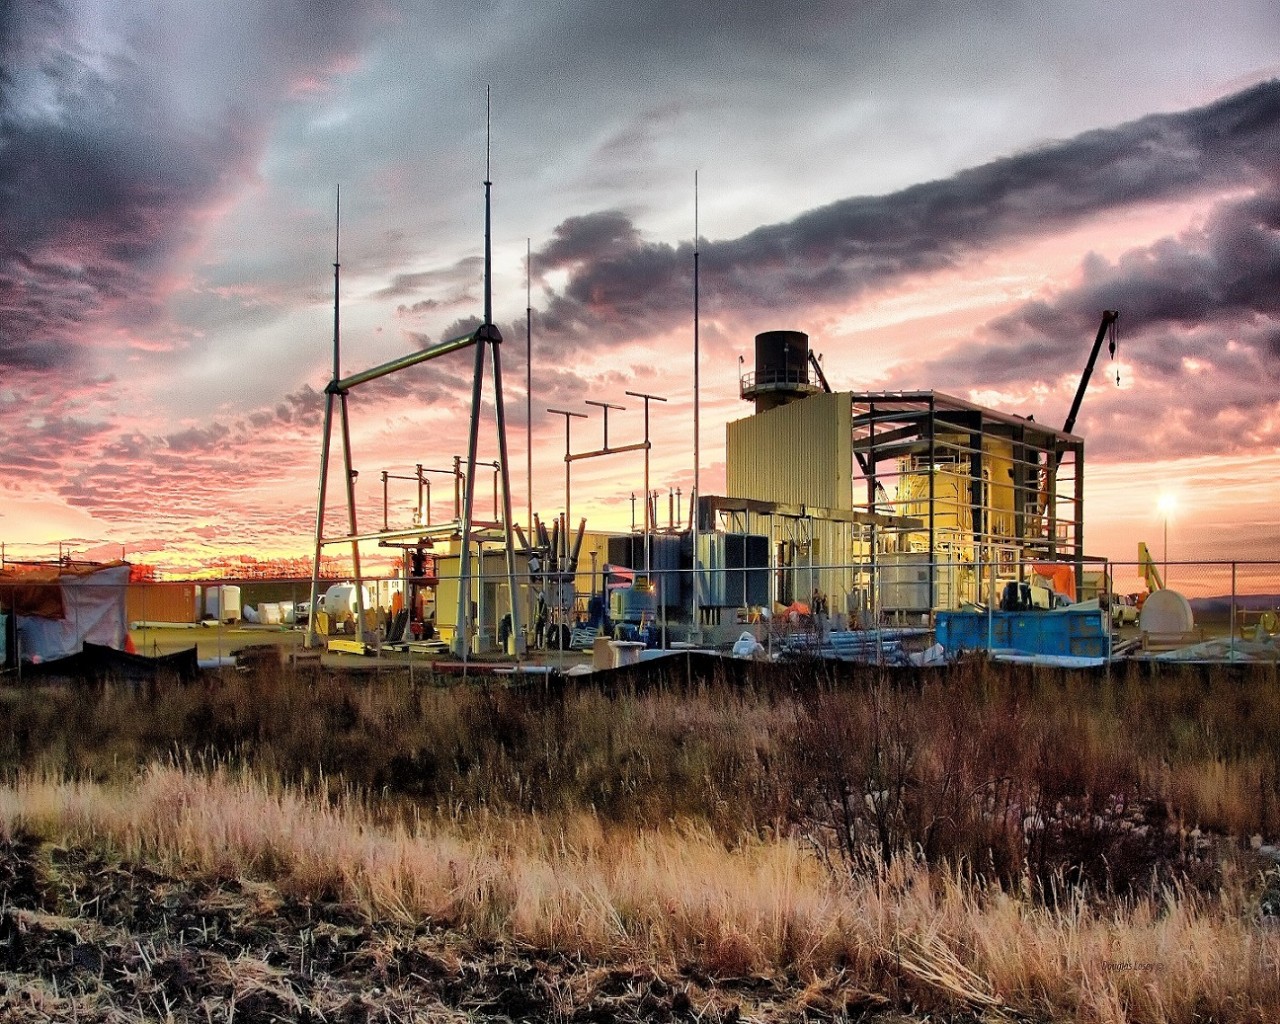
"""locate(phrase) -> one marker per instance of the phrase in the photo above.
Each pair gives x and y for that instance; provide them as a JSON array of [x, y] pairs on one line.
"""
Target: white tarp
[[95, 612]]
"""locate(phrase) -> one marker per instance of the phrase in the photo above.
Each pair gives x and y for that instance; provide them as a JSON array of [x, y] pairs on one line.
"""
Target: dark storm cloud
[[462, 275], [602, 235], [1209, 280], [1200, 339], [106, 164], [417, 308], [621, 286]]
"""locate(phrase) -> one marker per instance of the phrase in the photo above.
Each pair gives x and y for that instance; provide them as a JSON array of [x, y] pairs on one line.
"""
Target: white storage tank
[[904, 582], [339, 600], [230, 601]]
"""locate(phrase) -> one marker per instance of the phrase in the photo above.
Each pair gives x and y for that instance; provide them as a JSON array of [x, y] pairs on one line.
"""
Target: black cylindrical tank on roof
[[782, 356], [782, 370]]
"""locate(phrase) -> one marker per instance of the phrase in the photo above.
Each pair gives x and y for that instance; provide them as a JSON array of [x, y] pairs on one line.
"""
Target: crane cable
[[1113, 344]]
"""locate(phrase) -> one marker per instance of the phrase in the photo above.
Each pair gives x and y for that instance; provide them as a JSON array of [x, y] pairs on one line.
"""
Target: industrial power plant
[[910, 523], [906, 508]]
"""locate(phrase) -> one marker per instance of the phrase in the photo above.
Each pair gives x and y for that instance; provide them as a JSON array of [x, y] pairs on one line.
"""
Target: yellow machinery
[[1147, 567]]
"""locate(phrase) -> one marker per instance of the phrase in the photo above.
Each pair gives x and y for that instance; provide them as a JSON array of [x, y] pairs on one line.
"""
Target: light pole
[[1166, 506]]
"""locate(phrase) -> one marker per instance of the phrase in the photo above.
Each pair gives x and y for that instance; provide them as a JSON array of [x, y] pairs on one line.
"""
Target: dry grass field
[[782, 845]]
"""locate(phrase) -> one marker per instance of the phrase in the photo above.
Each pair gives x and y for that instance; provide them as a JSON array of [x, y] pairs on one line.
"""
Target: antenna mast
[[332, 391], [488, 233], [528, 375], [487, 335], [697, 454], [337, 266]]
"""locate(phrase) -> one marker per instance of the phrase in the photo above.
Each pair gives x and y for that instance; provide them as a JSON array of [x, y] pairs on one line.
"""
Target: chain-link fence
[[886, 608]]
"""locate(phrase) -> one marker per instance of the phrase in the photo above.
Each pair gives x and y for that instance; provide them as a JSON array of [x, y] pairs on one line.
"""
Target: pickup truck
[[1124, 609]]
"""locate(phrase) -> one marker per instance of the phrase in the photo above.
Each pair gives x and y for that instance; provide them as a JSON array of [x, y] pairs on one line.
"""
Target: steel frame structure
[[1014, 484], [486, 336]]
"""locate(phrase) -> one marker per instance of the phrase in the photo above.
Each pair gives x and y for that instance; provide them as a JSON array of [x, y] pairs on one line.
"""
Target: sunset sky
[[942, 195]]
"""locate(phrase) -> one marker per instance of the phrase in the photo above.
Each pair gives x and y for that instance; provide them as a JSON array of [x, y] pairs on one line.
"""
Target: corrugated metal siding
[[799, 453]]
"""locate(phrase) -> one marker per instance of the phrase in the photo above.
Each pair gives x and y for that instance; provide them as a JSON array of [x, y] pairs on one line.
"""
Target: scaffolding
[[988, 487]]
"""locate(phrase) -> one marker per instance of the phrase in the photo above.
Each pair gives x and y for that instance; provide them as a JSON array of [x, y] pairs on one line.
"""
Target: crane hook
[[1113, 344]]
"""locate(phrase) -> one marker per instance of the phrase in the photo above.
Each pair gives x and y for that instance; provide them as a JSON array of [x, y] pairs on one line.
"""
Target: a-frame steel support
[[486, 335]]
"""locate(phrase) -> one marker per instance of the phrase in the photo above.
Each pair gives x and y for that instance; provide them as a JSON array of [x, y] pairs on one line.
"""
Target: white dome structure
[[1166, 611]]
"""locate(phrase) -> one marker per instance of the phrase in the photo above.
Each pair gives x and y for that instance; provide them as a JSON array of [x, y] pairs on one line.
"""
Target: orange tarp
[[1061, 577], [37, 592]]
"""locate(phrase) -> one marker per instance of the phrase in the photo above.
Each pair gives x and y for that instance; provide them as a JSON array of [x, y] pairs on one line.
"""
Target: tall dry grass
[[928, 937], [1009, 775]]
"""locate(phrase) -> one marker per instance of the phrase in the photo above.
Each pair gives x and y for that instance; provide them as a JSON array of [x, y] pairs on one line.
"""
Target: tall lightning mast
[[697, 453], [528, 377]]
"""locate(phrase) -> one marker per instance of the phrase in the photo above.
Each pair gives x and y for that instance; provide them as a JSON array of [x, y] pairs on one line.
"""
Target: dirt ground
[[90, 939]]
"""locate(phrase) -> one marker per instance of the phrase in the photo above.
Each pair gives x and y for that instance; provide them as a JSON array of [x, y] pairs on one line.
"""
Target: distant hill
[[1222, 605]]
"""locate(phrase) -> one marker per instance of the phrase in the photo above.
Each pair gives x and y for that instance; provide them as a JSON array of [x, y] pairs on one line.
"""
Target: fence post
[[1108, 622], [991, 605], [1233, 611]]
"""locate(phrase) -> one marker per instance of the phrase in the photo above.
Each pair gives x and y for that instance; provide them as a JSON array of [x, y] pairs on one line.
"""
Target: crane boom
[[1109, 318], [817, 369], [1147, 567]]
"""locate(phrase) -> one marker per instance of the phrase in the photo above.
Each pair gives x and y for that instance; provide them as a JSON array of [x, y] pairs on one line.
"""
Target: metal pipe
[[1078, 522], [351, 511], [648, 523], [638, 446], [412, 533], [606, 406], [517, 633], [567, 458], [404, 362], [933, 553], [320, 500], [460, 644]]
